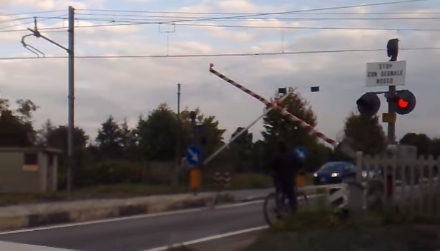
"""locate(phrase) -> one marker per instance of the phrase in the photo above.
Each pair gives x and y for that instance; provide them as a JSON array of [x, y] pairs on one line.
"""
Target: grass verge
[[239, 181], [323, 231]]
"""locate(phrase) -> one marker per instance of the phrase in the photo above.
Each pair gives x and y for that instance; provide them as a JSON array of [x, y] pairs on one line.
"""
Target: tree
[[44, 132], [278, 127], [57, 138], [128, 141], [16, 127], [364, 134], [435, 147], [157, 134], [421, 141], [109, 139], [242, 149]]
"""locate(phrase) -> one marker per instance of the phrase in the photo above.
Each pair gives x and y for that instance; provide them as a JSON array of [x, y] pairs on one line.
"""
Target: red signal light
[[402, 103]]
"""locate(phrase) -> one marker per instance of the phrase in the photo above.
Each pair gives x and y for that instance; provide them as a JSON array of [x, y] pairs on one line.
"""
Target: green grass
[[103, 191], [384, 238], [239, 181]]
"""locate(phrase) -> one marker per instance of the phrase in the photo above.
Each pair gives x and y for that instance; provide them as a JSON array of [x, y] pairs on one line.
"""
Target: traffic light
[[403, 102], [368, 104], [393, 49]]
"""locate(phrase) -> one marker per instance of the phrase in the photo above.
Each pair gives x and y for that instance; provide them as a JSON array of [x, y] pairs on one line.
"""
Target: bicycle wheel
[[275, 208], [270, 209]]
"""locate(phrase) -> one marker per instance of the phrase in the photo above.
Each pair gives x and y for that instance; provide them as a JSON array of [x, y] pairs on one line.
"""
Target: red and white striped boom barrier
[[280, 109]]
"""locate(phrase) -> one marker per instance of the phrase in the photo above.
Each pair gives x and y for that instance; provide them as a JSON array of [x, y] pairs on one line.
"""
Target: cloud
[[52, 4], [237, 6]]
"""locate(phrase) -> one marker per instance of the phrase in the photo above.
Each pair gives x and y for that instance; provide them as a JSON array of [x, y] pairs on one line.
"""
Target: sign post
[[391, 74], [193, 156]]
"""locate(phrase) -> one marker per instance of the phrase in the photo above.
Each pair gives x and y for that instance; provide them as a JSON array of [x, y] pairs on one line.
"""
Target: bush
[[310, 220], [250, 181]]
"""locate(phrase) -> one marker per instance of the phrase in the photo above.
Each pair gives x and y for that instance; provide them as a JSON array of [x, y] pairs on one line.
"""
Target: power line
[[234, 13], [270, 20], [8, 29], [14, 20], [219, 54], [300, 11], [143, 17], [31, 13], [62, 29], [278, 13], [310, 28]]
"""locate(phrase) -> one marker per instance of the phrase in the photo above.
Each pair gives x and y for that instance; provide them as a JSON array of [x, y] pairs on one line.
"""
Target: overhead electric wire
[[43, 18], [81, 11], [279, 13], [270, 20], [299, 11], [62, 29], [218, 55], [31, 13], [14, 20]]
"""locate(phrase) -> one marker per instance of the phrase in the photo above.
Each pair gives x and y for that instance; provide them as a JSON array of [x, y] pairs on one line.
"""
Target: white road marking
[[10, 246], [123, 218], [210, 238], [239, 204]]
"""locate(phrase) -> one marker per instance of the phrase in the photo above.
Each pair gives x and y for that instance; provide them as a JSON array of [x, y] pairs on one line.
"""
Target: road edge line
[[209, 238]]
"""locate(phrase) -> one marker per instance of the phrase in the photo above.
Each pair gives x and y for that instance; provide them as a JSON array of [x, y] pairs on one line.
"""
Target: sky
[[128, 87]]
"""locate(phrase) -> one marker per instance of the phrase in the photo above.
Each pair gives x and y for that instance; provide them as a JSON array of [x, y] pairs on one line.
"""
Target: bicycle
[[280, 208]]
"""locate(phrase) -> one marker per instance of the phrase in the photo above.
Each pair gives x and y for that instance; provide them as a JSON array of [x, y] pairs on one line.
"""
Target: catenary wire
[[62, 29], [300, 11], [219, 54]]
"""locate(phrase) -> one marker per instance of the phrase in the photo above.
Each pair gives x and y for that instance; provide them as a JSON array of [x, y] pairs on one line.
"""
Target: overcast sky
[[127, 87]]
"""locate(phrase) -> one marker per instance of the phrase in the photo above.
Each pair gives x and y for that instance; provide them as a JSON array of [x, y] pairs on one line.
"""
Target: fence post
[[412, 169]]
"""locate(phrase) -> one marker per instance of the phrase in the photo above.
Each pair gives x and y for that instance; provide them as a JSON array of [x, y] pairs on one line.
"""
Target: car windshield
[[331, 167]]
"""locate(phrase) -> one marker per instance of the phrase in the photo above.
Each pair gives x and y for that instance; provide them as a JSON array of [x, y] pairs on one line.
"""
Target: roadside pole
[[70, 49]]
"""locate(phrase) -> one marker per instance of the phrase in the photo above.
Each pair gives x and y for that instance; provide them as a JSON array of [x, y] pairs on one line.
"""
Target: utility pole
[[179, 136], [71, 84], [71, 99]]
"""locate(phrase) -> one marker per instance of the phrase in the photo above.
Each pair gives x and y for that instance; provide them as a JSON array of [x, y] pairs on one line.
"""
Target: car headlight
[[334, 175], [315, 175]]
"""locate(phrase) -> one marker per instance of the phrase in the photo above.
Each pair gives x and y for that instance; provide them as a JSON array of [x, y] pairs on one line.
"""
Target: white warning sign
[[386, 73]]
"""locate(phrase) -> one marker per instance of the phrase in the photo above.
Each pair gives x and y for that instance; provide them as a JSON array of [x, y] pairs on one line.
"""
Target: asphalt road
[[145, 233]]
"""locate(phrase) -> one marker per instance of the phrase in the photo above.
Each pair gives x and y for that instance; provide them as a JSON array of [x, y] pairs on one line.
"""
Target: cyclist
[[284, 166]]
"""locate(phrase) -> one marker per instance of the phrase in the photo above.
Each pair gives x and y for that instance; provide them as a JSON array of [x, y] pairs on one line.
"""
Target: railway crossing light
[[403, 102], [368, 104]]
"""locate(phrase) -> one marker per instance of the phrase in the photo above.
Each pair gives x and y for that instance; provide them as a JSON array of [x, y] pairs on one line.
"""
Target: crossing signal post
[[391, 74]]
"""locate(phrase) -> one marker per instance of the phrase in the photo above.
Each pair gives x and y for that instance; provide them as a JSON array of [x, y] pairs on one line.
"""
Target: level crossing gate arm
[[283, 111]]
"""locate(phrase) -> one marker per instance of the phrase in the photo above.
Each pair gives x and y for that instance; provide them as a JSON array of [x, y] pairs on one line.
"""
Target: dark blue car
[[333, 173]]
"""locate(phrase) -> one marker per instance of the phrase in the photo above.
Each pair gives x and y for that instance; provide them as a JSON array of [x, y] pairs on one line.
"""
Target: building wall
[[21, 173], [12, 176]]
